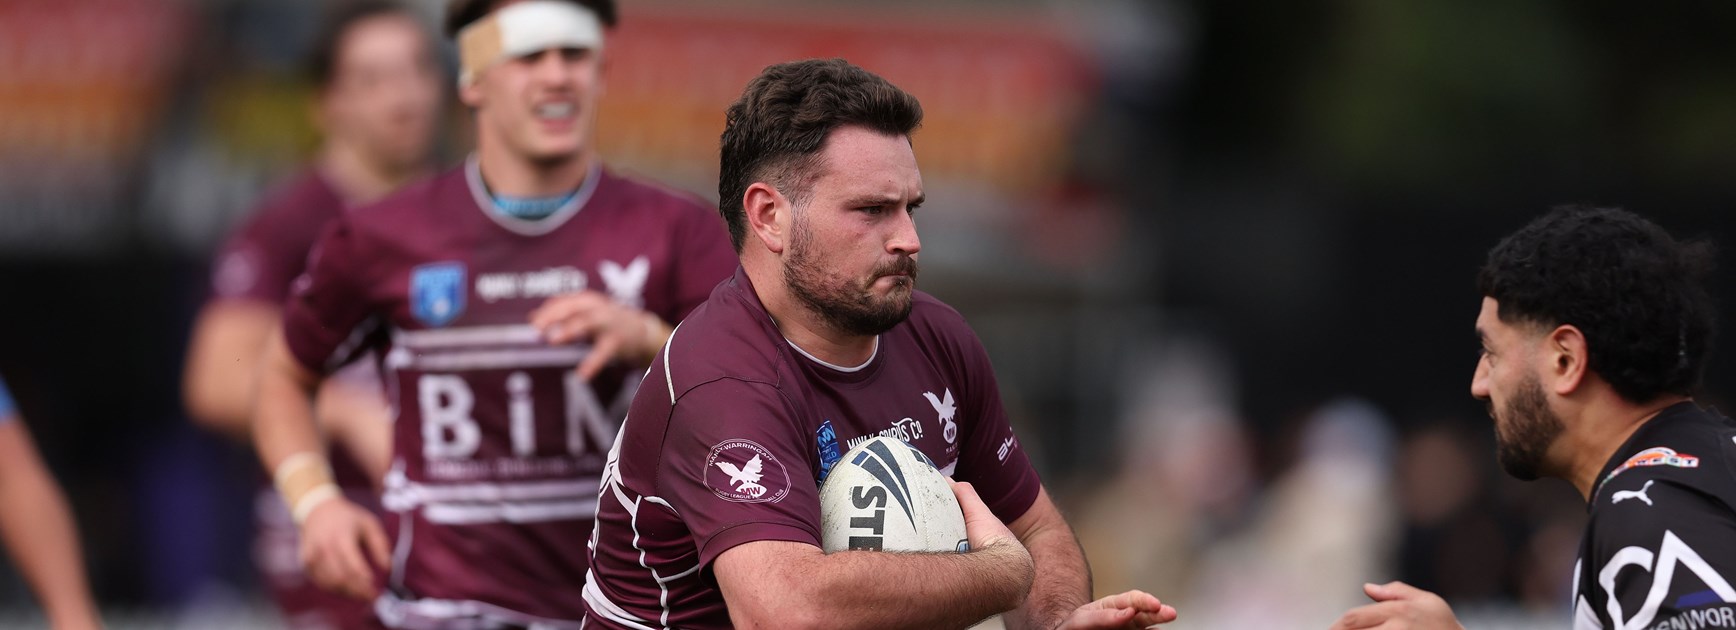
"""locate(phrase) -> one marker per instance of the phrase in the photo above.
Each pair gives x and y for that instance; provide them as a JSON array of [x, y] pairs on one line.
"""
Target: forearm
[[354, 417], [1063, 581], [39, 532], [284, 415], [872, 589]]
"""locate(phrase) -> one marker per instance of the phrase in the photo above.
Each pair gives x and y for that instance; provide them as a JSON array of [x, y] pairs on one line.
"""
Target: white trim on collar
[[479, 193], [839, 368]]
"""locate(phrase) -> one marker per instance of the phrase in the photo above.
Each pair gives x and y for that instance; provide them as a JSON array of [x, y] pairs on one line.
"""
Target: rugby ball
[[884, 495]]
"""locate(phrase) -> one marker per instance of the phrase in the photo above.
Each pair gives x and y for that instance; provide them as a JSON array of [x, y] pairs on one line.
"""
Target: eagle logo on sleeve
[[742, 471], [746, 478]]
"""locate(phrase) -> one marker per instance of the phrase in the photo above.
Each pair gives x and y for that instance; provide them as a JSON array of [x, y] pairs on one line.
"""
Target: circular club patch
[[744, 472]]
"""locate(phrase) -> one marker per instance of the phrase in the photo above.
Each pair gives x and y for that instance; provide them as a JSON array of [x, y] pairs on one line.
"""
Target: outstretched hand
[[1400, 606], [1131, 610]]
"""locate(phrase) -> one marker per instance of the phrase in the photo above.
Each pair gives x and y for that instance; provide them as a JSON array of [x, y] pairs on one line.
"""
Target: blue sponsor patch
[[437, 293], [1695, 600], [828, 446]]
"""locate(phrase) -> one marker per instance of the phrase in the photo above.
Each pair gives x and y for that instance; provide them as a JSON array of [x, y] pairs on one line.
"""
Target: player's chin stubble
[[1524, 429], [846, 305]]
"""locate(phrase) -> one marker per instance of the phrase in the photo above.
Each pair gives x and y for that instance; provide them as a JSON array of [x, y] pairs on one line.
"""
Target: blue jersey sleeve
[[8, 409]]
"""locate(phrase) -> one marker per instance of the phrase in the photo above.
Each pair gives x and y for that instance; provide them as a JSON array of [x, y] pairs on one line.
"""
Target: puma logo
[[1633, 494]]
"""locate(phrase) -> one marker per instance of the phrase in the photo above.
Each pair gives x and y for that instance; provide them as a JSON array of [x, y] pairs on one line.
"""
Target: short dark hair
[[335, 24], [1637, 294], [775, 131], [460, 13]]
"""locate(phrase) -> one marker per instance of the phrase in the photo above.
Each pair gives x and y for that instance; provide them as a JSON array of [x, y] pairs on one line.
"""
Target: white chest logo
[[626, 284], [1672, 554], [746, 478], [1633, 494], [946, 408]]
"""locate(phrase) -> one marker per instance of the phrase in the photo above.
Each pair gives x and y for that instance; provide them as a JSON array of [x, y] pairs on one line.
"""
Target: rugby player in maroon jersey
[[481, 291], [819, 341]]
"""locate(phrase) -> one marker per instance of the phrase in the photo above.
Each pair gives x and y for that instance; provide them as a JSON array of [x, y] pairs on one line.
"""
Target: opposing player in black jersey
[[1595, 325]]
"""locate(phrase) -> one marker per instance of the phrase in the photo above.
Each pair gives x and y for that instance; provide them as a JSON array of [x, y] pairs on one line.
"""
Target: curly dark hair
[[775, 131], [1637, 294], [460, 13]]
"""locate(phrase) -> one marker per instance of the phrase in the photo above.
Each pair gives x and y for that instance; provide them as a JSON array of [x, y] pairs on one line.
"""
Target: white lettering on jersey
[[906, 430], [448, 432], [587, 422], [626, 284], [1671, 553], [521, 414], [493, 287]]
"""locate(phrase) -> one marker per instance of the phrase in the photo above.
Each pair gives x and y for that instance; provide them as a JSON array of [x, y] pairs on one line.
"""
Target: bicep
[[228, 340]]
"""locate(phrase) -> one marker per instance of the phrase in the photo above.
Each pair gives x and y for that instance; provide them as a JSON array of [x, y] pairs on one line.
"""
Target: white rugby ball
[[884, 495]]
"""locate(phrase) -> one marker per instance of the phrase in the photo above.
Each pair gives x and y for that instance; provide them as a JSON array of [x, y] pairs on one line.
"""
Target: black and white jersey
[[1660, 549]]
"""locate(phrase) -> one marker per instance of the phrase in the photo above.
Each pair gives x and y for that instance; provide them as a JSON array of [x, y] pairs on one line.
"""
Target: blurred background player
[[498, 441], [37, 527], [378, 101]]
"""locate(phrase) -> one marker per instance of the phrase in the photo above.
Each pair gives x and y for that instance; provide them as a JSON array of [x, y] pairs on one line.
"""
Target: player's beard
[[846, 304], [1524, 429]]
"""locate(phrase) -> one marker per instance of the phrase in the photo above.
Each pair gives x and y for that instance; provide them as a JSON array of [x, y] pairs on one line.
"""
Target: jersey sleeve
[[330, 303], [8, 408], [736, 470], [990, 458], [703, 259], [262, 257], [1660, 549]]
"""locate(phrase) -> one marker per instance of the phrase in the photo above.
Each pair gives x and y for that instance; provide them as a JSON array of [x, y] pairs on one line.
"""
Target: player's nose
[[903, 239], [1480, 379]]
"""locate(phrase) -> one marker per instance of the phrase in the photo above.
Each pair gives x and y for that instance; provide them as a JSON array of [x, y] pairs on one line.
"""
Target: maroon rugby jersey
[[497, 445], [727, 389], [269, 250], [258, 262]]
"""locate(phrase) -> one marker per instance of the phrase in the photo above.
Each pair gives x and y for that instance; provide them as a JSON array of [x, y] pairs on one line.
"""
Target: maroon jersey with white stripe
[[497, 445], [729, 389]]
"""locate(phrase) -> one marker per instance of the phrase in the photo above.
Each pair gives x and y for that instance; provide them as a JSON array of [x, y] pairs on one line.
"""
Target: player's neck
[[1600, 431], [510, 174], [798, 322], [359, 179]]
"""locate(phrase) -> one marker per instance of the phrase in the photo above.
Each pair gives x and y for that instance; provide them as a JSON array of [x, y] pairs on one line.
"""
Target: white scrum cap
[[522, 29]]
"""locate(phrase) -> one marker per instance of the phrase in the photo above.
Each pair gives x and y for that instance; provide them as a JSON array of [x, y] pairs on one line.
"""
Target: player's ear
[[470, 94], [768, 215], [1568, 358]]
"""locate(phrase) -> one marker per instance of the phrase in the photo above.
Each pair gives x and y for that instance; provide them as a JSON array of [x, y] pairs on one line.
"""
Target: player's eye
[[872, 210]]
